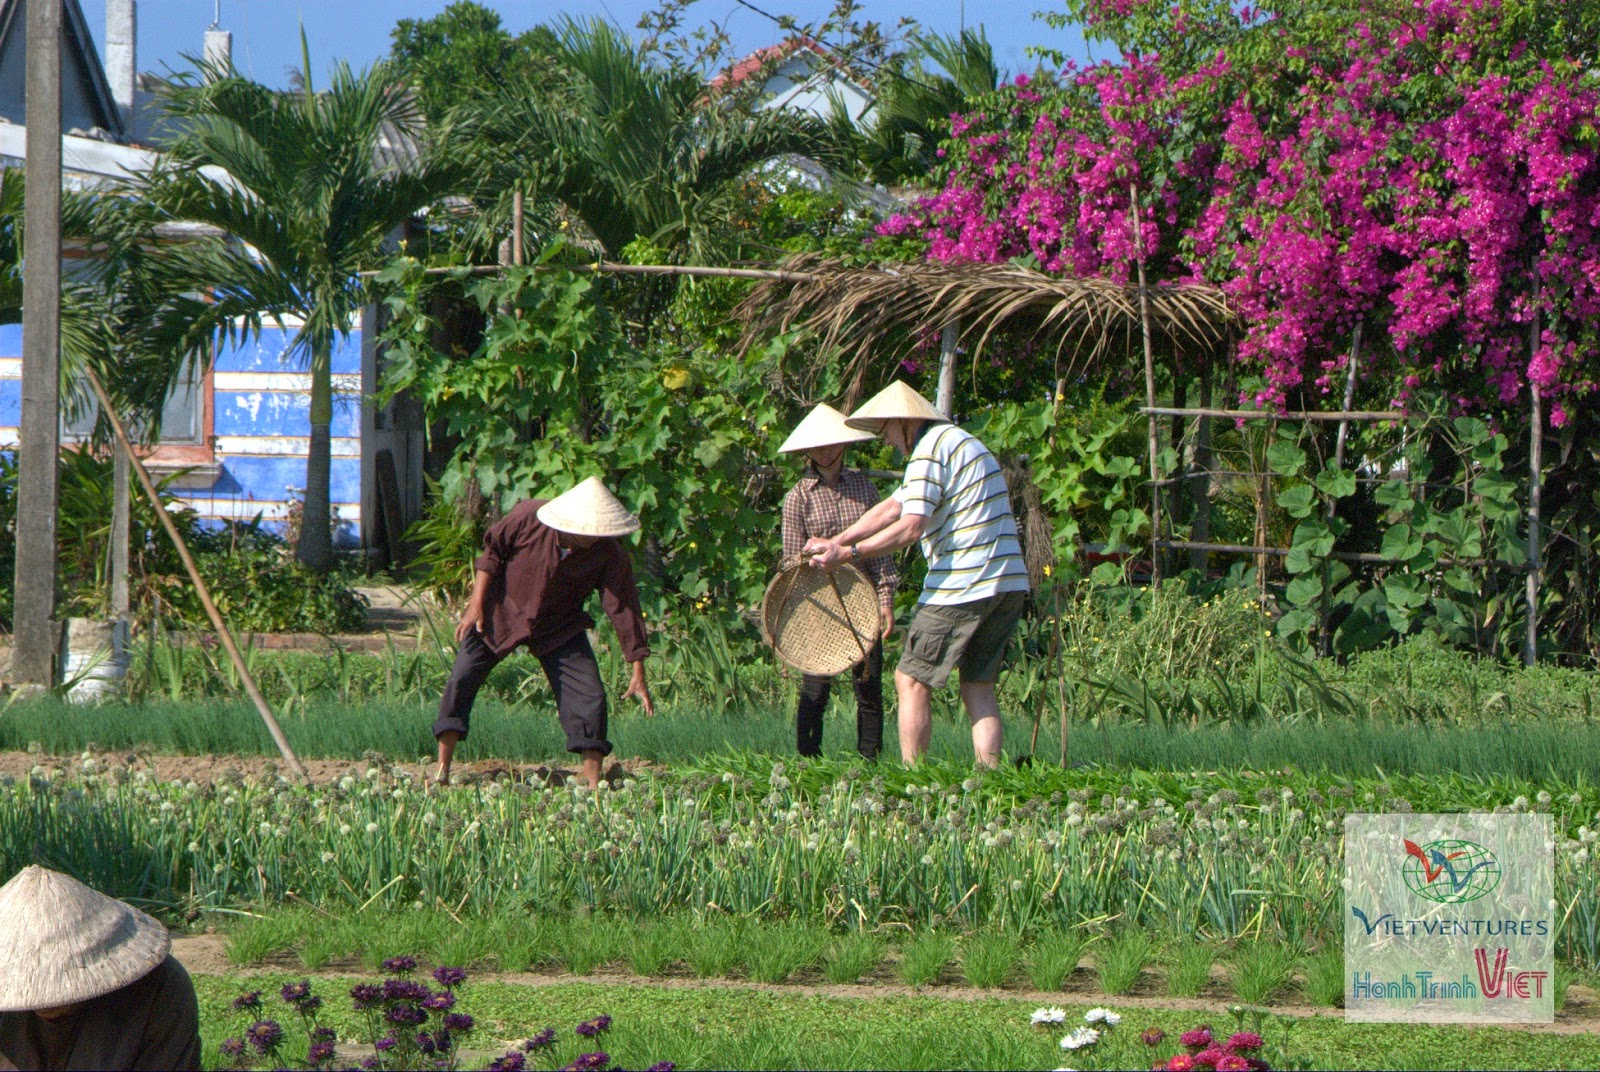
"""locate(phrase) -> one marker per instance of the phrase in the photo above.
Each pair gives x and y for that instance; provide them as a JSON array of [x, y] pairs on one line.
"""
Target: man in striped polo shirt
[[954, 500]]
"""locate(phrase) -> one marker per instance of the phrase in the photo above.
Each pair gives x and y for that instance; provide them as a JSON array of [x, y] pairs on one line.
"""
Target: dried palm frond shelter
[[858, 309]]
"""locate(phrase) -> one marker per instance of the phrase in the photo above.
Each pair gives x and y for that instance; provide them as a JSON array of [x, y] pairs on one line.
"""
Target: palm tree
[[631, 148], [896, 140], [300, 185]]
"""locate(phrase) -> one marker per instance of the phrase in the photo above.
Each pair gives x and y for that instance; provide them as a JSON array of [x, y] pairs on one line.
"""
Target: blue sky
[[266, 40]]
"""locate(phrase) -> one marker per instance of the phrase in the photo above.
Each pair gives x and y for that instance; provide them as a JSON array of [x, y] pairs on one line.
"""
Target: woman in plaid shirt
[[829, 499]]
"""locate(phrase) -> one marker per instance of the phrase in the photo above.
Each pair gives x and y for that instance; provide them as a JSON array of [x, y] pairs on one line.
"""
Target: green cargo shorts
[[972, 636]]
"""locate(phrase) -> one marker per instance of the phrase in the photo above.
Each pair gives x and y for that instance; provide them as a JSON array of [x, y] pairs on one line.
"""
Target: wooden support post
[[1530, 647], [947, 369], [1149, 389], [33, 660], [516, 228], [120, 535], [1323, 603], [200, 589], [1200, 480]]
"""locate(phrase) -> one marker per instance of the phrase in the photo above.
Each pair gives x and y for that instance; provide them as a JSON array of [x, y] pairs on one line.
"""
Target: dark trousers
[[574, 677], [867, 677]]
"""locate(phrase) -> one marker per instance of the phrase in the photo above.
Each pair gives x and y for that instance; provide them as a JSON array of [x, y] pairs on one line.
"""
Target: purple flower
[[448, 977], [320, 1053], [295, 993], [365, 995], [309, 1006], [439, 1002], [592, 1028], [233, 1047], [324, 1034], [591, 1061], [264, 1035], [388, 1042], [511, 1062], [406, 1015], [369, 1062], [662, 1066], [543, 1040], [404, 990], [251, 1000], [458, 1022], [400, 965], [425, 1043]]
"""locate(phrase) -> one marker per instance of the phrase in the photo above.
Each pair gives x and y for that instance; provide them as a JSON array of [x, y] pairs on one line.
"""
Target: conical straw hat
[[588, 510], [823, 427], [62, 943], [894, 402]]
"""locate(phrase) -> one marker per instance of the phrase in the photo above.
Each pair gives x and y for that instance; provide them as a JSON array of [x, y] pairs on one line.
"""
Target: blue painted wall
[[262, 430]]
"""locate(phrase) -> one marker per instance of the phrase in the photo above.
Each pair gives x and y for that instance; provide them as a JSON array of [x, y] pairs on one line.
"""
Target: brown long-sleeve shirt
[[152, 1023], [814, 507], [537, 590]]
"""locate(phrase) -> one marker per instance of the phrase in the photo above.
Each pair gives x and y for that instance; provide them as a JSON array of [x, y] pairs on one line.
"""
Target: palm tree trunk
[[315, 547]]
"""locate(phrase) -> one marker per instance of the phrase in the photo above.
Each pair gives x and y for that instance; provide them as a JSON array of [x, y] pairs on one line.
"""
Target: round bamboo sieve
[[820, 621]]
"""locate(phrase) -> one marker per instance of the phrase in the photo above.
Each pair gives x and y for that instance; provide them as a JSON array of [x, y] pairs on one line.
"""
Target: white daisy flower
[[1051, 1015], [1102, 1016], [1081, 1038]]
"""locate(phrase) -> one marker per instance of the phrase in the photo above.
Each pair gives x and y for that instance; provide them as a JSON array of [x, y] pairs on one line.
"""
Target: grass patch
[[988, 958], [780, 951], [851, 956], [1324, 978], [715, 948], [924, 957], [1120, 960], [1053, 958], [740, 1028], [1188, 966], [1258, 970]]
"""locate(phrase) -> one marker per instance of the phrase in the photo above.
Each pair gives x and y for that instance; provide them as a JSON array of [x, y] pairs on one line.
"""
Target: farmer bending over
[[89, 982], [828, 499], [954, 500], [539, 564]]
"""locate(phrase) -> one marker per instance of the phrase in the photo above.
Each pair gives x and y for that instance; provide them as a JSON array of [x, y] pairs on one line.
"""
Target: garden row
[[1027, 852]]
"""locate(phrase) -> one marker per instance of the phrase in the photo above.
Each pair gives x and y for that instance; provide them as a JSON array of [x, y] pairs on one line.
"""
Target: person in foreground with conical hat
[[829, 498], [88, 982], [954, 500], [540, 563]]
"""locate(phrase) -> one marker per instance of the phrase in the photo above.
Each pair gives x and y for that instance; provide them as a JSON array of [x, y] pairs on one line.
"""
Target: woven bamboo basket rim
[[820, 621]]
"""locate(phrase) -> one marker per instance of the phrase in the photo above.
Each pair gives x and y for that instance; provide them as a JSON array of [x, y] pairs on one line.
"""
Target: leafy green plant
[[1188, 962], [851, 956], [1260, 969], [652, 946], [715, 948], [988, 959], [781, 950], [924, 957], [1053, 958], [1121, 959], [1325, 978]]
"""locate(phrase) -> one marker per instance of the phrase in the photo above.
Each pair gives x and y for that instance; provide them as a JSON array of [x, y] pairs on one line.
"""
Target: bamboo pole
[[1149, 387], [1288, 415], [516, 227], [1323, 612], [629, 269], [1530, 647], [200, 588]]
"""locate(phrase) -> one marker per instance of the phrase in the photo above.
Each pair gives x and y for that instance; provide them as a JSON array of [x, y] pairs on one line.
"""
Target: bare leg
[[983, 710], [447, 751], [916, 717], [590, 771]]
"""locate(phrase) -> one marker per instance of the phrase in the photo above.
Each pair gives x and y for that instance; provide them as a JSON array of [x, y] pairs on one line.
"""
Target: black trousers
[[574, 677], [867, 677]]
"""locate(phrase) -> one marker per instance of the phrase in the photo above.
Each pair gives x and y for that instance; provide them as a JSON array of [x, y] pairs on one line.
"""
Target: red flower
[[1245, 1042]]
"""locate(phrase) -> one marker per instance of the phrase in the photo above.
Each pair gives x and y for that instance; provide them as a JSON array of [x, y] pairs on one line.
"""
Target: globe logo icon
[[1450, 871]]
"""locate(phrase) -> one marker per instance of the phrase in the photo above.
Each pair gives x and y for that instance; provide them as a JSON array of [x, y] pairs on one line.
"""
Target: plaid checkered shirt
[[812, 508]]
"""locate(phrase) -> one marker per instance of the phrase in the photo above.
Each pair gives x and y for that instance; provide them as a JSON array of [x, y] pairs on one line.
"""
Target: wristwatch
[[855, 552]]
